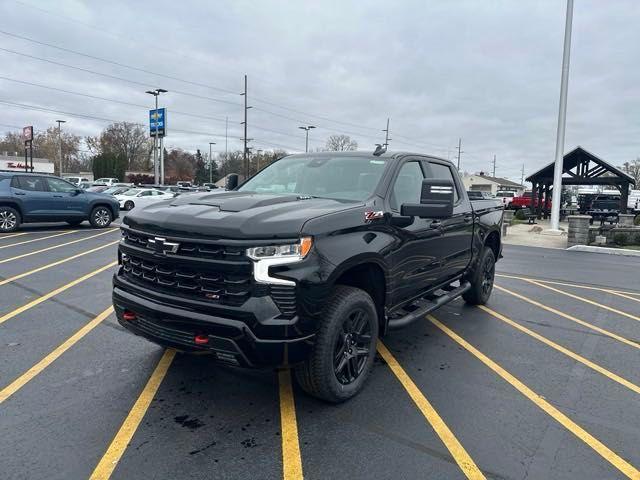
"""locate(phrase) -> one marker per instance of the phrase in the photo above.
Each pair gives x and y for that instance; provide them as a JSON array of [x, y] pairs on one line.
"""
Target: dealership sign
[[158, 122], [27, 133]]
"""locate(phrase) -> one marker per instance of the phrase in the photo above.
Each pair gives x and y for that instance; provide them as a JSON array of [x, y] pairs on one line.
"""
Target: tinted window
[[408, 185], [31, 184], [58, 185], [443, 172]]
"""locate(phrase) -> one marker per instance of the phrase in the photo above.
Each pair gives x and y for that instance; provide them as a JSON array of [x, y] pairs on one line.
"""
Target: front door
[[66, 201], [416, 259]]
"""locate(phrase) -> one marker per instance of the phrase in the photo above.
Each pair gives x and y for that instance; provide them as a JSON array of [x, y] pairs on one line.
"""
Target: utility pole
[[522, 177], [60, 144], [386, 135], [156, 170], [226, 139], [562, 118], [211, 162], [245, 150], [459, 151], [306, 142], [494, 165]]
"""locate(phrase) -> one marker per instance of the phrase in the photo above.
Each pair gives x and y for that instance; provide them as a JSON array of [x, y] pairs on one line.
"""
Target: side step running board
[[400, 322]]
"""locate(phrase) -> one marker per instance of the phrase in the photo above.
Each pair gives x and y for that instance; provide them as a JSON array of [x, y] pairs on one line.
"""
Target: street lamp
[[155, 93], [211, 163], [60, 143], [306, 143]]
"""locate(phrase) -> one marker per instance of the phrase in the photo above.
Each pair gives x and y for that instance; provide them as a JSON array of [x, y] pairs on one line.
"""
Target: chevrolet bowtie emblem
[[161, 246]]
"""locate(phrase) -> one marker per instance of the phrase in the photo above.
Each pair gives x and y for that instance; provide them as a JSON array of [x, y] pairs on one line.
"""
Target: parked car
[[27, 198], [141, 197], [477, 195], [633, 201], [608, 203], [506, 196], [351, 246], [526, 201], [76, 180], [116, 190], [106, 181], [85, 185], [97, 188]]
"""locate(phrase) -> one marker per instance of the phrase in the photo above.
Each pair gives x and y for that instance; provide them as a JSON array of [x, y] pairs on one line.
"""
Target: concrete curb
[[610, 251]]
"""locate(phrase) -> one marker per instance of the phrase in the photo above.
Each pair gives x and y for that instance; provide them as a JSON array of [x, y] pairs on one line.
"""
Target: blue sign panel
[[158, 122]]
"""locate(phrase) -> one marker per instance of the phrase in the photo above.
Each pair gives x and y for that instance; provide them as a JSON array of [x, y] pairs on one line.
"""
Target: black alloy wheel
[[352, 347]]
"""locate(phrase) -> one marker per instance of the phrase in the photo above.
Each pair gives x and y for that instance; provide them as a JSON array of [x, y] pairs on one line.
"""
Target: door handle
[[435, 224], [20, 193], [57, 196]]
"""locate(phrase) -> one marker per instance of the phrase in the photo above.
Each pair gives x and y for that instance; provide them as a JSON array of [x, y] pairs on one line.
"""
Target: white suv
[[106, 181]]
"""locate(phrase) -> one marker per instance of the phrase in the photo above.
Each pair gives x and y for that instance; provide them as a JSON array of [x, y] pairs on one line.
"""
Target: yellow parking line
[[291, 458], [53, 293], [579, 358], [615, 336], [11, 235], [614, 459], [38, 239], [118, 445], [26, 377], [42, 250], [586, 300], [460, 455], [566, 284], [53, 264]]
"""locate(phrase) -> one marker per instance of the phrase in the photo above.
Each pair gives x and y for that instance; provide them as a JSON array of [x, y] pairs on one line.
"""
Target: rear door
[[457, 231], [66, 201], [31, 191]]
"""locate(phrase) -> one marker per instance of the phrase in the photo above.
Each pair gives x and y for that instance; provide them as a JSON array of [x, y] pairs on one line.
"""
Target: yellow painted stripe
[[460, 455], [586, 300], [42, 250], [609, 455], [579, 358], [119, 444], [53, 293], [26, 377], [53, 264], [38, 239], [566, 284], [624, 295], [595, 328], [291, 458], [11, 235]]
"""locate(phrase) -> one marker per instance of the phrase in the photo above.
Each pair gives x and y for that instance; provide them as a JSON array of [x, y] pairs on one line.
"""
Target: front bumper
[[229, 340]]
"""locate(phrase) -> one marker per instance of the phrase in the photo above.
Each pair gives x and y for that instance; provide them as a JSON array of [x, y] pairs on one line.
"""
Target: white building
[[9, 163], [484, 183]]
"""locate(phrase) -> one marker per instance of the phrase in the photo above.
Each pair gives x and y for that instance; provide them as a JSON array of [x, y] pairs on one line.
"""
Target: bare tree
[[633, 168], [127, 139], [341, 143]]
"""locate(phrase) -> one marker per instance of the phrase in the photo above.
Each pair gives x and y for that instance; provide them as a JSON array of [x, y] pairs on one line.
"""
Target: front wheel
[[344, 349], [9, 219], [100, 217], [128, 205], [481, 279]]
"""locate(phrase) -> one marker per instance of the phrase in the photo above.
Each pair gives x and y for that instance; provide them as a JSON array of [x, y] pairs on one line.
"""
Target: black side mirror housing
[[232, 181], [436, 200]]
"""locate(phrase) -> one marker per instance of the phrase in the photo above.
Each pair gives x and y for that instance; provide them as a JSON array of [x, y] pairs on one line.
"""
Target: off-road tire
[[101, 217], [481, 279], [9, 219], [317, 375]]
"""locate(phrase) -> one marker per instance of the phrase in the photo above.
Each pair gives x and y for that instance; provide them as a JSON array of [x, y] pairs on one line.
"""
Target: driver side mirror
[[78, 191], [436, 200], [232, 181]]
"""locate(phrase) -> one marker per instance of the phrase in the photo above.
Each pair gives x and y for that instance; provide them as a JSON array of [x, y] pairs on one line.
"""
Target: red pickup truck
[[525, 201]]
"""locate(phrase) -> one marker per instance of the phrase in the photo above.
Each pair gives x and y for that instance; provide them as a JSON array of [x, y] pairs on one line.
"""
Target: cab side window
[[30, 184], [443, 172], [408, 185]]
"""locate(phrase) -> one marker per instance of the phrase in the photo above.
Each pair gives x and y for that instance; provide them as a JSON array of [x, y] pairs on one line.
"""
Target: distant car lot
[[543, 383]]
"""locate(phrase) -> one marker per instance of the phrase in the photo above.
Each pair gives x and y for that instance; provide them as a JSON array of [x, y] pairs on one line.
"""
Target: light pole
[[306, 142], [155, 93], [211, 162], [60, 143]]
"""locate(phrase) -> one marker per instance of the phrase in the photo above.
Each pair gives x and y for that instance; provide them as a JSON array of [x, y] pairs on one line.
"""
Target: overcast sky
[[484, 70]]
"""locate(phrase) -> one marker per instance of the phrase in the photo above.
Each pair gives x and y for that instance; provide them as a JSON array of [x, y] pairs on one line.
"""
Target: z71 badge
[[369, 216]]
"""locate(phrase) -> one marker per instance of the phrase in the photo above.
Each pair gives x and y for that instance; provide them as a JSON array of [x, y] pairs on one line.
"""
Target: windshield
[[131, 193], [339, 177]]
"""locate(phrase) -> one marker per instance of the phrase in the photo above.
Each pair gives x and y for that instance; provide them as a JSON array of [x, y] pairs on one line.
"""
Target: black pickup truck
[[307, 263]]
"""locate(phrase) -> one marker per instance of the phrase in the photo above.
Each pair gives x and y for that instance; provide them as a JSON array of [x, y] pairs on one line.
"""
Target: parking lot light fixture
[[306, 129]]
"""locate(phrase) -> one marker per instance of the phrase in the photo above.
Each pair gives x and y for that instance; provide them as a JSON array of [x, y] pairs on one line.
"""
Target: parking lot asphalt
[[543, 382]]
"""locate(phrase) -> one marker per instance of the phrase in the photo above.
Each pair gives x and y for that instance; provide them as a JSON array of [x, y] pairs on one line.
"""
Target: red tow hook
[[129, 316], [201, 339]]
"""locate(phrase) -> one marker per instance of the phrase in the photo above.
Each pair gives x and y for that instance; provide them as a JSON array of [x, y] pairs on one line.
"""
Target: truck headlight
[[296, 251]]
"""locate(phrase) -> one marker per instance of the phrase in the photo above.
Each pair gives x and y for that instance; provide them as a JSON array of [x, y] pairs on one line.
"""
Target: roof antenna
[[379, 149]]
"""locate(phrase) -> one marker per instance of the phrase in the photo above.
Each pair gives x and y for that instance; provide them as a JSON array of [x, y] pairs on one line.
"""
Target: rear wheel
[[100, 217], [128, 205], [345, 347], [481, 279], [9, 219]]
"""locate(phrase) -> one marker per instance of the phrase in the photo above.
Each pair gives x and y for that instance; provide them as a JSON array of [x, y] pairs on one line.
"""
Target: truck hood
[[236, 215]]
